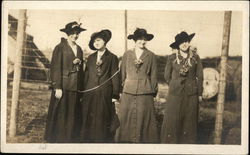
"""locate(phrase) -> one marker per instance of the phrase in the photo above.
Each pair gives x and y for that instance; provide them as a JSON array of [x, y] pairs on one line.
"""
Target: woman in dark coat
[[184, 75], [67, 78], [102, 73], [139, 80]]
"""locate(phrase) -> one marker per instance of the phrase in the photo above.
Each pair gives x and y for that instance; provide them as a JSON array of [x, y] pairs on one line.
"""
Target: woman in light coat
[[139, 81]]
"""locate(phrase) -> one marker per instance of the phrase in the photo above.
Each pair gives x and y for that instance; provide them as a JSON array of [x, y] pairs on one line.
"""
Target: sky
[[44, 25]]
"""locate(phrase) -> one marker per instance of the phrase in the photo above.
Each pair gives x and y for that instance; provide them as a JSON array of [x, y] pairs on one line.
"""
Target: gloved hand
[[58, 93], [114, 100], [200, 99]]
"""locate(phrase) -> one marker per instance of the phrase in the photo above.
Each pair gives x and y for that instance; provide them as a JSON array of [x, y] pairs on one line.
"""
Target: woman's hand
[[58, 93], [200, 99], [114, 100]]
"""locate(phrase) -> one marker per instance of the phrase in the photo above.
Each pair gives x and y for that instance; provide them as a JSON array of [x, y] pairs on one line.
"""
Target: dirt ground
[[33, 108]]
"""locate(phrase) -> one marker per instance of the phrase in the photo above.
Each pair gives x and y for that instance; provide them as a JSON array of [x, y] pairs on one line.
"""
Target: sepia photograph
[[125, 77]]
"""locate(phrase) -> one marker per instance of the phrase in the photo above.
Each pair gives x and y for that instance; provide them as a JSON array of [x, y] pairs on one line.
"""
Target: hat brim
[[175, 45], [77, 29], [148, 37], [91, 46]]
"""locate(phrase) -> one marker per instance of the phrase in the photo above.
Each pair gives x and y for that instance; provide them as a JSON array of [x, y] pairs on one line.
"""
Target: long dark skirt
[[97, 110], [137, 119], [180, 120], [63, 120]]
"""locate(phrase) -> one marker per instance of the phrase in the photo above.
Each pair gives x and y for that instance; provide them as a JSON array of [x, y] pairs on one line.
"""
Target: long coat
[[181, 113], [99, 118], [63, 115], [136, 111]]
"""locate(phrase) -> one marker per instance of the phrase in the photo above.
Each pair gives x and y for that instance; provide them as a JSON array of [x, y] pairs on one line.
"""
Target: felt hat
[[72, 27], [103, 34], [181, 38], [141, 33]]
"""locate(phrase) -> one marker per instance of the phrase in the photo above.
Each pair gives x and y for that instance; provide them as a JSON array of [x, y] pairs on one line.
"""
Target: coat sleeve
[[168, 70], [116, 78], [199, 75], [123, 69], [56, 68], [153, 75]]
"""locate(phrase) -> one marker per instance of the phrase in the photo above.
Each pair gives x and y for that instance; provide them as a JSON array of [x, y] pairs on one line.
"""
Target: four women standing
[[94, 119]]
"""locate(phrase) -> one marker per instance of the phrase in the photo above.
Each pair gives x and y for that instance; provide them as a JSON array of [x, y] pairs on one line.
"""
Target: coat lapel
[[105, 55], [70, 51], [144, 54], [95, 57], [134, 55], [79, 53]]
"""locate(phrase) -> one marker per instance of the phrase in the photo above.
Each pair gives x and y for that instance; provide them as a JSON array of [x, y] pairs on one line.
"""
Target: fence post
[[126, 27], [17, 72], [222, 81]]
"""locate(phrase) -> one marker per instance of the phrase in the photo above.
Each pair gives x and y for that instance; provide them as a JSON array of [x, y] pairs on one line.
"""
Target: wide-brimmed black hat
[[181, 38], [141, 33], [104, 34], [72, 27]]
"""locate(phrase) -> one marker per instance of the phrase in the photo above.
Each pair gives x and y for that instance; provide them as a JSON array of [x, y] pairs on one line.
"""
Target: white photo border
[[129, 148]]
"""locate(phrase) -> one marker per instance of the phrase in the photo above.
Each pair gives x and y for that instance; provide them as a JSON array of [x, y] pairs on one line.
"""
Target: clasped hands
[[77, 61]]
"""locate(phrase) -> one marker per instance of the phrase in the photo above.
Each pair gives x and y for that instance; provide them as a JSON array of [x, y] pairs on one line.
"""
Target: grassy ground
[[32, 114], [33, 108]]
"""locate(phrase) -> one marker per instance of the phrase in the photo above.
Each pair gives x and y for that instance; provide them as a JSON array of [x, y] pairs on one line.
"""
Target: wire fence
[[36, 65]]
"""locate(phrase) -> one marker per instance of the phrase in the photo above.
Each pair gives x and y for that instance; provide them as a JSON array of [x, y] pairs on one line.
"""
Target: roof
[[34, 63]]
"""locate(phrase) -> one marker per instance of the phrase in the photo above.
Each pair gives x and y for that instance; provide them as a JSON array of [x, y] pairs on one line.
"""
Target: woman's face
[[74, 36], [141, 42], [184, 46], [99, 43]]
